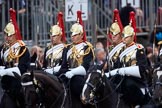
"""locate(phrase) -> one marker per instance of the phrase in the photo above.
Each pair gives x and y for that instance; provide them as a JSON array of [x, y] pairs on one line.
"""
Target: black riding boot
[[76, 85]]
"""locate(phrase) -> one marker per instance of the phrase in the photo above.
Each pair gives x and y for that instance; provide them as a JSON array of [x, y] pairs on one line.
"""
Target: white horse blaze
[[85, 85]]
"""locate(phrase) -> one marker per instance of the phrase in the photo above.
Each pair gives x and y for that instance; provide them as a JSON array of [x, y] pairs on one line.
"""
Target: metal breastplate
[[76, 57], [10, 60], [54, 58], [115, 57], [130, 58]]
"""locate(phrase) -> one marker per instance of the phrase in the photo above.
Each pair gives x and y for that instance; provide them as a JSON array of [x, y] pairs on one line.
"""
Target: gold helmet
[[59, 28], [115, 29], [116, 26], [130, 30], [12, 27], [55, 30], [76, 29], [9, 29]]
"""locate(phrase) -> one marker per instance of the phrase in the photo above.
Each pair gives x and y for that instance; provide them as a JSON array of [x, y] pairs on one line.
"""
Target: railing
[[39, 15]]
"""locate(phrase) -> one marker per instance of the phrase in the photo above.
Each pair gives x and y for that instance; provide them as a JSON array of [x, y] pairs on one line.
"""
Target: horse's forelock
[[96, 74], [90, 78]]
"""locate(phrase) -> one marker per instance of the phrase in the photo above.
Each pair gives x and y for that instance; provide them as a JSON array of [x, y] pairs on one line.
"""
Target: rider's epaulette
[[111, 47], [89, 44], [140, 46], [21, 43], [66, 45], [49, 45]]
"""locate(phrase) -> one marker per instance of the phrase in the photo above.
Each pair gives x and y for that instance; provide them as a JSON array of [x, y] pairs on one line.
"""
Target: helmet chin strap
[[78, 42], [11, 42], [130, 44]]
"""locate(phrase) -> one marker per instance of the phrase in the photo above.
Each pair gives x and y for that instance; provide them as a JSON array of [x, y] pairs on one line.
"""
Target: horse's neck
[[108, 87], [52, 87], [109, 96]]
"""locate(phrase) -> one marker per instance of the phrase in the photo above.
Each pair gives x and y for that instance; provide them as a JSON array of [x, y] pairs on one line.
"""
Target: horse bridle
[[158, 83], [38, 90], [93, 98]]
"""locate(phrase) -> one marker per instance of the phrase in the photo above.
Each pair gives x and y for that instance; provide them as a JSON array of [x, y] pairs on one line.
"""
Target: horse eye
[[91, 95]]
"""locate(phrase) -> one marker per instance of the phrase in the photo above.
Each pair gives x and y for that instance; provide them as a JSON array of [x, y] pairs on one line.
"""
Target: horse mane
[[108, 83], [50, 89], [47, 77], [44, 78]]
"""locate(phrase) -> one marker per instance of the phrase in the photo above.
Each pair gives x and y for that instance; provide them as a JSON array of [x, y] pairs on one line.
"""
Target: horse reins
[[38, 89], [98, 101], [158, 83], [65, 94]]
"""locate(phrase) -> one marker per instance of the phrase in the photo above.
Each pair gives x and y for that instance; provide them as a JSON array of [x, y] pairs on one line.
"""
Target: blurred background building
[[36, 16]]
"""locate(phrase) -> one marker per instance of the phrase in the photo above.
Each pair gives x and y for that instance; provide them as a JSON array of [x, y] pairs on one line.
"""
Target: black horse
[[43, 91], [12, 92], [98, 91]]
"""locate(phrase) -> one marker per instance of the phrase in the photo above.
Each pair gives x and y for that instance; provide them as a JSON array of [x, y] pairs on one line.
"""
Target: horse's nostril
[[84, 101], [82, 97]]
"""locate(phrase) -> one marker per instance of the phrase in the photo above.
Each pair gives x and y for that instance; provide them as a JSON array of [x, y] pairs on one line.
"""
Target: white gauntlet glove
[[9, 71], [129, 71], [112, 73], [2, 67], [76, 71], [53, 70]]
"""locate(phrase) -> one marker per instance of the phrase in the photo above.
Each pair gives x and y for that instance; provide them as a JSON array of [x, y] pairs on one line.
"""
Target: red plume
[[133, 22], [117, 18], [79, 17], [61, 25], [13, 19]]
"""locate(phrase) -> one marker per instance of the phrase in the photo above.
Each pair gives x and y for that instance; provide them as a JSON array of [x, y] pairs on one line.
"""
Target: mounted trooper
[[117, 44], [76, 58], [133, 67], [14, 60], [53, 52]]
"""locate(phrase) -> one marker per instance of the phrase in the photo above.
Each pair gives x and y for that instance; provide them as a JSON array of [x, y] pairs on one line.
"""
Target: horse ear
[[32, 73], [17, 76]]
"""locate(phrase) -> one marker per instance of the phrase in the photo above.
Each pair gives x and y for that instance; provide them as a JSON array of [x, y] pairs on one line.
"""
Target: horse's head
[[32, 90], [157, 86], [92, 88]]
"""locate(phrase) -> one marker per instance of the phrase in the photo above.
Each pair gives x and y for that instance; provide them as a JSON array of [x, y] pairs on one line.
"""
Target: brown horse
[[43, 91]]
